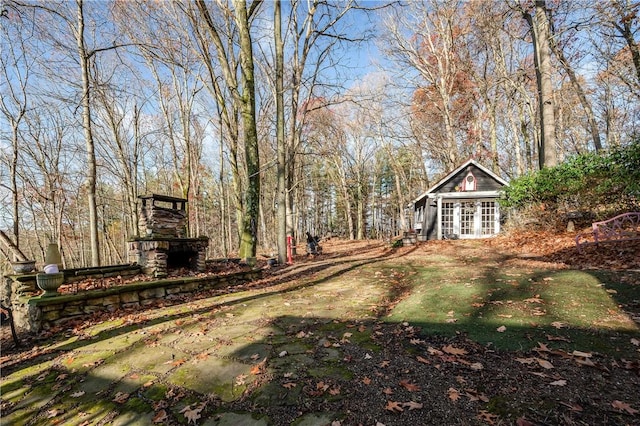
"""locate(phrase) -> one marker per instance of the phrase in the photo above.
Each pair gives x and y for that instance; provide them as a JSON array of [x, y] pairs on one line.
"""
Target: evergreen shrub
[[595, 185]]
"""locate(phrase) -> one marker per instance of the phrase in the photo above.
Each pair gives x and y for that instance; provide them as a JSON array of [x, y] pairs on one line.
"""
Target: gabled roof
[[434, 188]]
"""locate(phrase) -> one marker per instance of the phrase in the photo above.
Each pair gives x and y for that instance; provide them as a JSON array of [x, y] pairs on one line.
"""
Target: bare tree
[[541, 38], [243, 90], [281, 172], [622, 16], [66, 32], [443, 92], [16, 70]]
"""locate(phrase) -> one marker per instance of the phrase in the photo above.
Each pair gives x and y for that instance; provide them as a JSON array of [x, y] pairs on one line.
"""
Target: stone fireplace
[[163, 243]]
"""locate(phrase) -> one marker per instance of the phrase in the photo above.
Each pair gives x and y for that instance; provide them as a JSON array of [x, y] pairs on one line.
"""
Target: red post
[[289, 249]]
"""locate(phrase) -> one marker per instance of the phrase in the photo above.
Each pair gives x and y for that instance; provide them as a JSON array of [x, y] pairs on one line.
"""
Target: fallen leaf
[[487, 417], [259, 367], [289, 385], [559, 383], [335, 390], [77, 394], [526, 360], [542, 348], [160, 416], [623, 406], [387, 391], [322, 386], [501, 329], [241, 379], [385, 363], [557, 338], [473, 395], [423, 360], [582, 354], [544, 363], [453, 393], [635, 342], [434, 351], [476, 366], [585, 361], [452, 350], [192, 414], [54, 412], [411, 387], [283, 354], [120, 397], [412, 405], [558, 324], [366, 381], [177, 362], [393, 406]]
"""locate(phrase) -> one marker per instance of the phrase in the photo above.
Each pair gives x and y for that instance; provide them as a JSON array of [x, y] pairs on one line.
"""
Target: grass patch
[[573, 309]]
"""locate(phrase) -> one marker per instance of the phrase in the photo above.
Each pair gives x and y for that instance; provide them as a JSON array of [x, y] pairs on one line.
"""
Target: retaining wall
[[33, 314]]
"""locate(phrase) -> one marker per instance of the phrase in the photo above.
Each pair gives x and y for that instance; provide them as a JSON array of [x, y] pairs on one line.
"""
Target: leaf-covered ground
[[521, 329]]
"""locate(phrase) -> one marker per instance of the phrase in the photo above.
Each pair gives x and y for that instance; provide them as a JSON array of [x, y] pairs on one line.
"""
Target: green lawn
[[517, 308]]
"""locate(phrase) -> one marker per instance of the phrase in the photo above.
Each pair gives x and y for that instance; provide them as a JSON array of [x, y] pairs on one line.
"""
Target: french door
[[469, 218]]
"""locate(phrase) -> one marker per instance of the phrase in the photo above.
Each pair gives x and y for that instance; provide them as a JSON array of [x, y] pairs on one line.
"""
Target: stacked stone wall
[[34, 314]]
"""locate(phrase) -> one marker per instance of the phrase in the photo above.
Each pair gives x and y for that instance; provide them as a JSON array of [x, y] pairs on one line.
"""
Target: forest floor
[[521, 329]]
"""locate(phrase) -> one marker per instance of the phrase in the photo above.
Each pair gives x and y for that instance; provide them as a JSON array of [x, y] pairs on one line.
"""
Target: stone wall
[[33, 314], [160, 222]]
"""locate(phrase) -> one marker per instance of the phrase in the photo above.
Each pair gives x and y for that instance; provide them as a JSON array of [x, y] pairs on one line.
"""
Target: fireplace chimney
[[163, 241]]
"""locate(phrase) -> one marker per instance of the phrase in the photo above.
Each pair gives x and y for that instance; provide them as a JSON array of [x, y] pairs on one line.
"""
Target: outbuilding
[[462, 205]]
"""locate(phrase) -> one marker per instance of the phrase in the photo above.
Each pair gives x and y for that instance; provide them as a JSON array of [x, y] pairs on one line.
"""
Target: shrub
[[601, 184]]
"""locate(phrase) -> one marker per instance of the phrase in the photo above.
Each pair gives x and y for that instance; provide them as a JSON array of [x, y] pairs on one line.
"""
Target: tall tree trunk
[[281, 142], [539, 24], [248, 237], [360, 208], [14, 185], [493, 137], [88, 136]]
